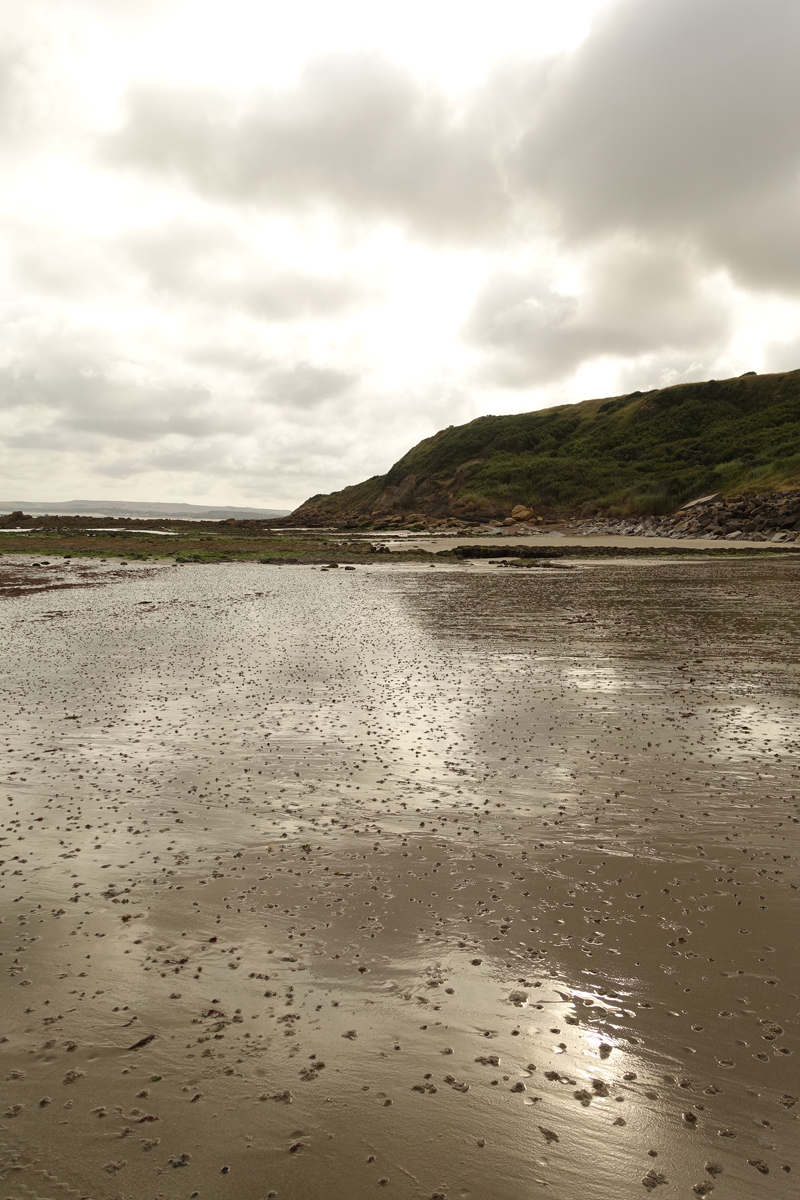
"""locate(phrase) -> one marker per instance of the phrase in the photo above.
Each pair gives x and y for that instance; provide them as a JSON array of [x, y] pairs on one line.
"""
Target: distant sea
[[138, 508]]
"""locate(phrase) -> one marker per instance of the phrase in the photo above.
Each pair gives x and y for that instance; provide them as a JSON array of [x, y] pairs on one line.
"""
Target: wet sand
[[433, 881], [512, 540]]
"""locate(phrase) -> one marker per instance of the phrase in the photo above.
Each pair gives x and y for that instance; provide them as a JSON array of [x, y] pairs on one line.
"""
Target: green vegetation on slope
[[640, 453]]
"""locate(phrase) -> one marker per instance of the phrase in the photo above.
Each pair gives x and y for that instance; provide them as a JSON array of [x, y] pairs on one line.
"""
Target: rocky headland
[[623, 458]]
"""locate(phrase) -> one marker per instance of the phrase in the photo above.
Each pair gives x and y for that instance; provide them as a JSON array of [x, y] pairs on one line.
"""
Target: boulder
[[509, 522], [521, 513], [702, 500]]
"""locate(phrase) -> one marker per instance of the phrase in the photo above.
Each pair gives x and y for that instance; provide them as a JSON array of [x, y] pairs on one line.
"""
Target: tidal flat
[[426, 881]]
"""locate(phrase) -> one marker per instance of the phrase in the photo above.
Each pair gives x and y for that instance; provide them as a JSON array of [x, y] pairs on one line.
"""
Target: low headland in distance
[[136, 509]]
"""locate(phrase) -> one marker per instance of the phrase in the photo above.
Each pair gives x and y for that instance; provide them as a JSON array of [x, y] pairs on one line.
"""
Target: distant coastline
[[139, 508]]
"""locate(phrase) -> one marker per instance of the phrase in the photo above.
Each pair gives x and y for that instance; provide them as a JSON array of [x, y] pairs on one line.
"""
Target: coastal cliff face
[[639, 454]]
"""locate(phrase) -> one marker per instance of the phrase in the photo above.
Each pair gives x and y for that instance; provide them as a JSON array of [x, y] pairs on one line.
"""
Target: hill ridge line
[[638, 454]]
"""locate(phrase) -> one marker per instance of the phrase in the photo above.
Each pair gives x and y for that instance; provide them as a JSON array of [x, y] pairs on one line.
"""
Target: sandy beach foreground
[[427, 882]]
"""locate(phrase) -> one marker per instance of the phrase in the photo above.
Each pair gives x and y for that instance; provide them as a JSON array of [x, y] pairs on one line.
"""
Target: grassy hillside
[[641, 453]]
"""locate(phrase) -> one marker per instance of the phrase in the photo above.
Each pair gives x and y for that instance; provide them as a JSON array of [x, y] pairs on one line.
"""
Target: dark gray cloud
[[678, 116], [63, 401], [305, 386], [636, 299], [104, 400], [672, 117], [356, 131]]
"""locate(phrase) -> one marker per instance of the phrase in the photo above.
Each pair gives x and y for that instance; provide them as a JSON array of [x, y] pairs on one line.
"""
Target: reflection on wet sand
[[453, 882]]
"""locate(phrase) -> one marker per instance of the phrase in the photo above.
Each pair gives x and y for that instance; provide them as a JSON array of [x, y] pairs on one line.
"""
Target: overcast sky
[[253, 251]]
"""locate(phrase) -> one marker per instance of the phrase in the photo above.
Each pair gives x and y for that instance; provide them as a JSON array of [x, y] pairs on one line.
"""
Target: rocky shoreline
[[766, 517], [771, 518]]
